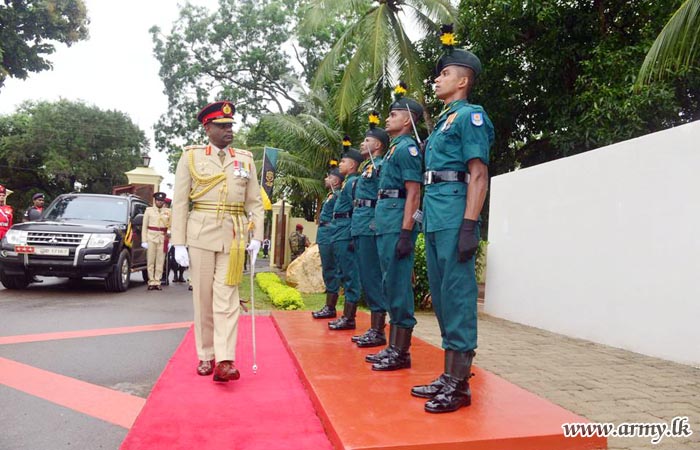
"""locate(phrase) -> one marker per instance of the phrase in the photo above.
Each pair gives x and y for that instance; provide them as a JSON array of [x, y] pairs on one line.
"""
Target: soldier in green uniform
[[324, 239], [398, 200], [364, 232], [456, 180], [343, 245]]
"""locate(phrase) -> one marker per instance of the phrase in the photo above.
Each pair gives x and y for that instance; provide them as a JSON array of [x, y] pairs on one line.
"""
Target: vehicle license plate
[[51, 251]]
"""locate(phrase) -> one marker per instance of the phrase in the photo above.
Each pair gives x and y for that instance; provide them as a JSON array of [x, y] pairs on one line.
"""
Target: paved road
[[129, 363]]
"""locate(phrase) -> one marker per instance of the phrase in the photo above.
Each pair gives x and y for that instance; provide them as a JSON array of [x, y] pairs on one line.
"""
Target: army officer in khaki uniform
[[154, 238], [222, 185]]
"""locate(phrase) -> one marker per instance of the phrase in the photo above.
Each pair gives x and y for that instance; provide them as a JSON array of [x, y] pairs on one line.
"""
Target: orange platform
[[363, 409]]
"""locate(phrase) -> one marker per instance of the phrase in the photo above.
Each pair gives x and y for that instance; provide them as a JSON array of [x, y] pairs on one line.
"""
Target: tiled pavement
[[601, 383]]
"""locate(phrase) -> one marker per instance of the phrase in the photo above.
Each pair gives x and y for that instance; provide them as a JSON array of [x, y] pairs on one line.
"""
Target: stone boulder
[[304, 273]]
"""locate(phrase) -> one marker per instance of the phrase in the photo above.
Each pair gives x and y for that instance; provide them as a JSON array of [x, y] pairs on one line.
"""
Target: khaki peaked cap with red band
[[217, 112]]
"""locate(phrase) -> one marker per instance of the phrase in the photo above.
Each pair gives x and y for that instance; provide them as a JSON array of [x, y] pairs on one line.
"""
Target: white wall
[[604, 245]]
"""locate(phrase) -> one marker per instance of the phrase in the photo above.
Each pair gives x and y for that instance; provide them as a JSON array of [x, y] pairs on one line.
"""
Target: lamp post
[[146, 160]]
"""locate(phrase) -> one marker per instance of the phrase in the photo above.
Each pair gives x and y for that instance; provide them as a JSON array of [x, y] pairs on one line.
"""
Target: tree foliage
[[376, 49], [50, 146], [676, 48], [28, 28], [235, 53], [558, 75]]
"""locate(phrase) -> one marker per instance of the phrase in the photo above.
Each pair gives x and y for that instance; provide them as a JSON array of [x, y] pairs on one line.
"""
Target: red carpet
[[269, 410]]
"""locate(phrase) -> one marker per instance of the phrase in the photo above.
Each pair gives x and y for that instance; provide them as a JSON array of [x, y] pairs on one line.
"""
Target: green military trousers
[[453, 289], [396, 282], [370, 273], [329, 269], [348, 272]]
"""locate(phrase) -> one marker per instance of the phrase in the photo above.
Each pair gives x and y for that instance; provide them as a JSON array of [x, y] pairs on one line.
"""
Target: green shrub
[[420, 275], [421, 289], [281, 295]]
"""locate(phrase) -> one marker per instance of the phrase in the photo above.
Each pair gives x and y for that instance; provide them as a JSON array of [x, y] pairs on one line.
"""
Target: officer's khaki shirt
[[209, 230], [156, 218]]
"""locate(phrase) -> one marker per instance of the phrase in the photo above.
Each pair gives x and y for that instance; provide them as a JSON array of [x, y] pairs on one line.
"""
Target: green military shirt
[[463, 132], [344, 206], [402, 163], [325, 220], [366, 188]]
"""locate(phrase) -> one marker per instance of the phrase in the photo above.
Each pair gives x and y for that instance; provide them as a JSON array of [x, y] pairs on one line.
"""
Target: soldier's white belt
[[364, 203], [443, 176], [391, 193]]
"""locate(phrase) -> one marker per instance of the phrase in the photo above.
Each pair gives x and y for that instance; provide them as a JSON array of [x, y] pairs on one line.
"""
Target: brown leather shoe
[[205, 368], [225, 371]]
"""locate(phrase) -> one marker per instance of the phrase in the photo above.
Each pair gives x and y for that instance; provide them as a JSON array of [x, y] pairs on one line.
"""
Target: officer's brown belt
[[343, 215], [444, 176], [391, 193], [364, 203], [157, 229]]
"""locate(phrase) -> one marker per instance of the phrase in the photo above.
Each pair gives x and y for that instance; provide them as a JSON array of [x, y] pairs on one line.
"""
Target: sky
[[114, 69]]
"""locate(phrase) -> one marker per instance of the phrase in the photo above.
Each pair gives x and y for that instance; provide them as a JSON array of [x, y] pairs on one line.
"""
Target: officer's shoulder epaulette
[[243, 152], [195, 147]]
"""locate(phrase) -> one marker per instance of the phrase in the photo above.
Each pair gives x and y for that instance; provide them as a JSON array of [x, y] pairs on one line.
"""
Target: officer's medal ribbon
[[448, 123]]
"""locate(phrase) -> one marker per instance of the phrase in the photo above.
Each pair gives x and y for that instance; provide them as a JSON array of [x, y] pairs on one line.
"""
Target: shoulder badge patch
[[477, 119], [413, 150]]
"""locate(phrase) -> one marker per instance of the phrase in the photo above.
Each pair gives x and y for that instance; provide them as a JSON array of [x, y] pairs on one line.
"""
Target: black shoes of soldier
[[347, 321], [396, 359], [328, 311], [372, 338], [451, 390], [429, 390], [324, 313], [344, 323], [454, 394]]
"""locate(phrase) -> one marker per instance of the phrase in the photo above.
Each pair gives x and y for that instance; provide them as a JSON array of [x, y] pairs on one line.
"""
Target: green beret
[[380, 134], [459, 57], [404, 104], [353, 154], [336, 173]]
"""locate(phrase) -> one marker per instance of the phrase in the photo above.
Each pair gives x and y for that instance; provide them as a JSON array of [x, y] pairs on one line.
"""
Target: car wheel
[[118, 280], [15, 282]]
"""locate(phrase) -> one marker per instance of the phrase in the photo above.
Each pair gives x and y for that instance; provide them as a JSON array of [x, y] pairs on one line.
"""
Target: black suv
[[78, 235]]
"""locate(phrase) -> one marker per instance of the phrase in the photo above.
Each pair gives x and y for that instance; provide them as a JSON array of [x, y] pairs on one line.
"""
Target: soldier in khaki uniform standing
[[221, 183], [154, 238]]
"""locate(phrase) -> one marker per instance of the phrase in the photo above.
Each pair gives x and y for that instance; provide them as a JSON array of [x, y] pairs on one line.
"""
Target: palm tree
[[311, 139], [377, 47], [676, 47]]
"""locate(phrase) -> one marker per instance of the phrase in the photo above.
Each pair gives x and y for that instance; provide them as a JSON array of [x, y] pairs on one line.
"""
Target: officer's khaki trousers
[[155, 259], [216, 306]]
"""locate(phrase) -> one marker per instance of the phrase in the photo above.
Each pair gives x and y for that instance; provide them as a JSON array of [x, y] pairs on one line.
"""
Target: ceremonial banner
[[267, 177]]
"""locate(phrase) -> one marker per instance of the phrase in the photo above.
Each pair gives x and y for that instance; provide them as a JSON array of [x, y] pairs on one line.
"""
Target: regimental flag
[[268, 176]]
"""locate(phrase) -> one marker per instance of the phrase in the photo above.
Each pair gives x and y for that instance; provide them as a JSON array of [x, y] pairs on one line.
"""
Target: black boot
[[432, 389], [383, 353], [398, 357], [328, 311], [375, 336], [372, 329], [347, 321], [455, 391]]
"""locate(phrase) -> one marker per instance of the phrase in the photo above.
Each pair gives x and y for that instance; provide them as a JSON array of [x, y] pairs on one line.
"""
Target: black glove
[[351, 247], [404, 246], [468, 242]]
